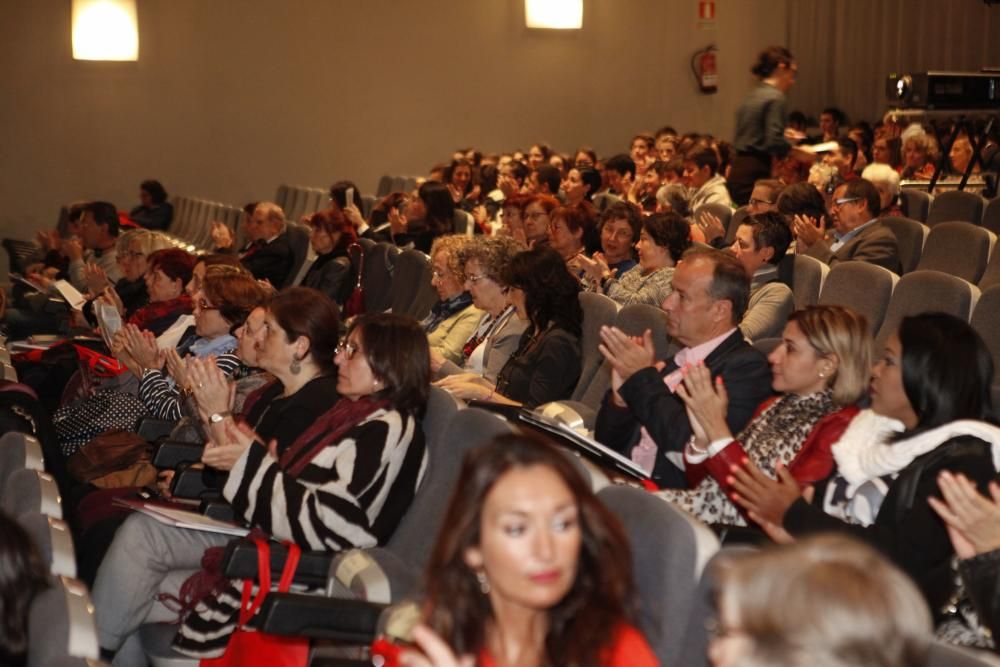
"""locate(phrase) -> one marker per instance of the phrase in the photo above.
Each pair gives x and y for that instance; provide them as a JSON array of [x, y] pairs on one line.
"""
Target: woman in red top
[[530, 569]]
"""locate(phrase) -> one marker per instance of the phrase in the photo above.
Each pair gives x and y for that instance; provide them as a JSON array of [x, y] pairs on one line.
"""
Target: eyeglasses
[[201, 304], [534, 215], [440, 275], [132, 254], [348, 349], [476, 279], [845, 200], [760, 202]]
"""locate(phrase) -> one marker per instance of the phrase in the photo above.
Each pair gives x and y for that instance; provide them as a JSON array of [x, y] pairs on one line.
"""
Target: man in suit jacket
[[641, 416], [270, 255], [857, 232]]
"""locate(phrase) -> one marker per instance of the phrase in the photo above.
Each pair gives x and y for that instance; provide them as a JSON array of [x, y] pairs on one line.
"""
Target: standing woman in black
[[761, 123]]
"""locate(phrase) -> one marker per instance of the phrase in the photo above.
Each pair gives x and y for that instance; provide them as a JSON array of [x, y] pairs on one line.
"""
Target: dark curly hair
[[670, 231], [582, 624], [551, 293]]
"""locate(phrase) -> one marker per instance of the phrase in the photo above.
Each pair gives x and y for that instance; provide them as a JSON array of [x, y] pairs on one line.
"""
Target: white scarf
[[864, 453]]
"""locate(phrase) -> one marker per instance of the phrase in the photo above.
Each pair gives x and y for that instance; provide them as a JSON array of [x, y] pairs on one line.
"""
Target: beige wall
[[232, 97]]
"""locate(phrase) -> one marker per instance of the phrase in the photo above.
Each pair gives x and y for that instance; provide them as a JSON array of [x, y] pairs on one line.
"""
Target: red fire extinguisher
[[703, 64]]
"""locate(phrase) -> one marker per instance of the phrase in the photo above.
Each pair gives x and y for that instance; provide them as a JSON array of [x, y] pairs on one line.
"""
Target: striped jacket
[[162, 397], [352, 494]]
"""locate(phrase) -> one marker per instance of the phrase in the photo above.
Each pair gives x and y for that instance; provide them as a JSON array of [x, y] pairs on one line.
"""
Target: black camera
[[944, 90]]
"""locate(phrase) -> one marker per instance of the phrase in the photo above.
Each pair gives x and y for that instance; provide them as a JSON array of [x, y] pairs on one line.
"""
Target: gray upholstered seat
[[927, 291], [865, 287], [669, 551], [991, 215], [412, 292], [54, 541], [956, 206], [61, 624], [598, 311], [986, 321], [915, 203], [31, 491], [19, 451], [961, 249], [376, 280], [911, 236], [805, 276]]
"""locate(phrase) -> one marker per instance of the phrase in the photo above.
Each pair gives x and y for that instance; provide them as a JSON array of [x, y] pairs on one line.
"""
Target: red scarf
[[158, 310], [329, 428]]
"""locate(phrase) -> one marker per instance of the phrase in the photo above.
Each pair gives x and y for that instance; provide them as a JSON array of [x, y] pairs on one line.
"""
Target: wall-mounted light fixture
[[105, 30], [554, 14]]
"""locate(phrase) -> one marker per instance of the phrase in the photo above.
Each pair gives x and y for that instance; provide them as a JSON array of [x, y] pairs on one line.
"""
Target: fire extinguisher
[[704, 66]]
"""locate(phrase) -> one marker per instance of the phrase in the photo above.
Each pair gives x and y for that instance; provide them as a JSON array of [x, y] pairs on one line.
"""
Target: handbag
[[248, 647], [355, 304]]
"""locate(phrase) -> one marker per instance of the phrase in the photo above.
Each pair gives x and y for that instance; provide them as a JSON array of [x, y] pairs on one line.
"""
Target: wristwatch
[[217, 417]]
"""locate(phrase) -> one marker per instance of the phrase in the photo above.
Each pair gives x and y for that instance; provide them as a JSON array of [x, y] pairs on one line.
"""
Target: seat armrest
[[151, 430], [318, 617], [170, 454], [376, 575], [220, 510], [240, 562], [189, 483]]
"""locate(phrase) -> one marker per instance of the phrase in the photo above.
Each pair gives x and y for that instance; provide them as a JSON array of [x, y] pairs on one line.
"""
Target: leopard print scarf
[[775, 434]]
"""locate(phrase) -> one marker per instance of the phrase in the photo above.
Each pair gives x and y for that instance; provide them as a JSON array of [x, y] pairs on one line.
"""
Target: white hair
[[882, 173]]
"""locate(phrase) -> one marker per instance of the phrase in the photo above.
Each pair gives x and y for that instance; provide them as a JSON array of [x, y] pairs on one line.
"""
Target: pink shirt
[[644, 452]]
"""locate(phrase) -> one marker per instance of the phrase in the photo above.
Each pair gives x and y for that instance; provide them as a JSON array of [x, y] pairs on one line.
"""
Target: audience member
[[620, 172], [332, 272], [707, 186], [499, 331], [537, 218], [23, 575], [919, 154], [857, 232], [843, 159], [427, 216], [573, 231], [538, 155], [886, 151], [886, 181], [643, 152], [269, 256], [544, 180], [820, 370], [133, 250], [930, 411], [642, 417], [830, 120], [580, 185], [96, 245], [761, 243], [547, 363], [453, 318], [153, 211], [826, 601], [520, 506]]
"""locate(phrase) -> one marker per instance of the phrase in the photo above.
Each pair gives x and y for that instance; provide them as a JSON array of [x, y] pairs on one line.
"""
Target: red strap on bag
[[252, 648], [355, 304]]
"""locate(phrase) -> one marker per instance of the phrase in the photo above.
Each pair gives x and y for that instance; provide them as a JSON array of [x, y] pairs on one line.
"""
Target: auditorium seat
[[991, 215], [669, 551], [598, 311], [737, 218], [298, 239], [911, 236], [865, 287], [767, 345], [31, 491], [61, 624], [412, 291], [380, 261], [281, 197], [915, 203], [991, 276], [805, 276], [721, 211], [384, 186], [960, 249], [54, 541], [19, 451], [956, 206], [604, 200], [949, 655], [927, 291], [986, 321]]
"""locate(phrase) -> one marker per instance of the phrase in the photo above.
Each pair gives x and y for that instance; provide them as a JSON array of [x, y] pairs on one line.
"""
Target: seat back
[[949, 655], [634, 319], [384, 186], [915, 203], [417, 531], [31, 491], [721, 211], [412, 291], [61, 624], [54, 541], [991, 215], [598, 311], [910, 238], [805, 276], [991, 276], [281, 197], [865, 287], [927, 291], [956, 206], [958, 248], [298, 239], [669, 552], [986, 321], [376, 280], [18, 451], [739, 215]]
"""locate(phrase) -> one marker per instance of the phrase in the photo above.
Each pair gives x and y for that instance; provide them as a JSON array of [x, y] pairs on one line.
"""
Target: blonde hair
[[451, 245], [825, 601], [147, 241], [838, 331]]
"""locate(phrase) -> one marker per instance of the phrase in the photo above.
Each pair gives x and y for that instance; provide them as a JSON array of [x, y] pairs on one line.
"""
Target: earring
[[296, 366], [375, 384], [822, 374], [484, 583]]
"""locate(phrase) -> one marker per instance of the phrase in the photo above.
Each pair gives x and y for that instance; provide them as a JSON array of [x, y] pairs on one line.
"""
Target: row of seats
[[61, 626], [951, 206]]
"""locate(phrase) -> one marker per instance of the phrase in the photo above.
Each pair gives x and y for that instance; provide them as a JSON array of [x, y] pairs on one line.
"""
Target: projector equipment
[[944, 90]]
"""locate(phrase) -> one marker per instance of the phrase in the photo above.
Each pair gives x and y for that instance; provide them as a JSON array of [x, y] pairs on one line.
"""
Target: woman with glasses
[[497, 335], [344, 482], [454, 317], [133, 249], [536, 219], [547, 363]]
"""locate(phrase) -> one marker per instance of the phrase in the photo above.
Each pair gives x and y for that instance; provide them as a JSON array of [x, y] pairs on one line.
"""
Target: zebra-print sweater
[[352, 494]]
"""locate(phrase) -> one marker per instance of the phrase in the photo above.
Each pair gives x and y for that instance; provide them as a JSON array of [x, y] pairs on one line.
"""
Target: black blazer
[[271, 261], [747, 376]]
